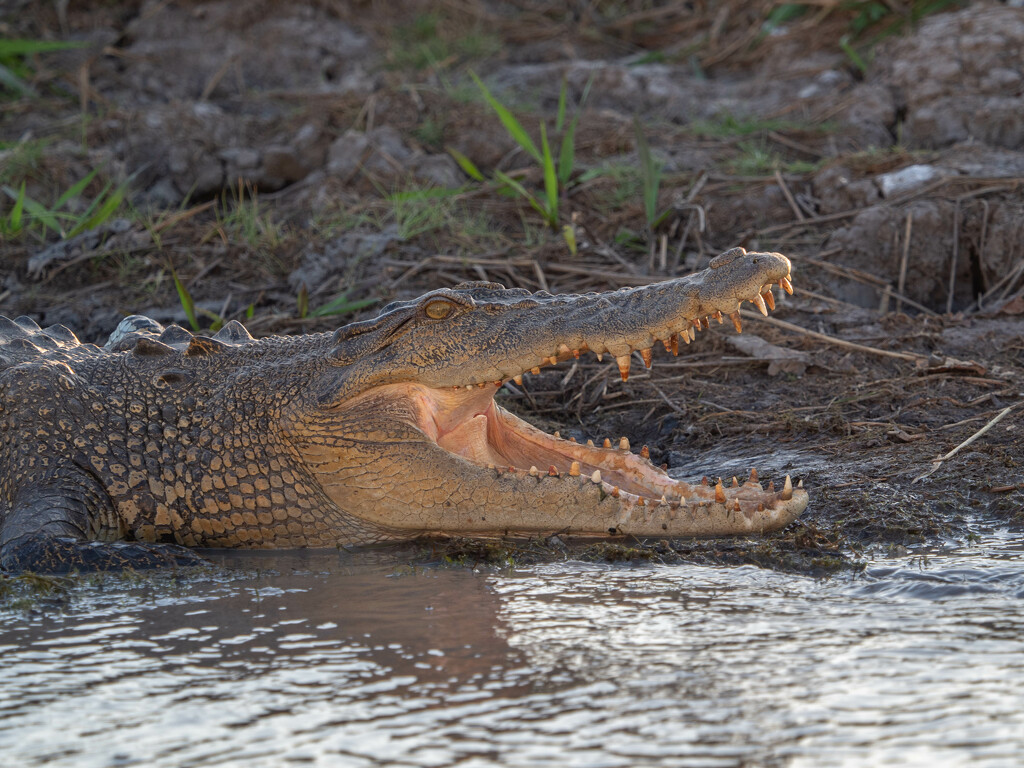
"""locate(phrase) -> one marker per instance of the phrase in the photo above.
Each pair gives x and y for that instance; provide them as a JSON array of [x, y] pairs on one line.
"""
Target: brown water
[[360, 660]]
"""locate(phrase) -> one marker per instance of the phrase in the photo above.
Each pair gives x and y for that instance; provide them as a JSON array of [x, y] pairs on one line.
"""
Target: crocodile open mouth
[[465, 421]]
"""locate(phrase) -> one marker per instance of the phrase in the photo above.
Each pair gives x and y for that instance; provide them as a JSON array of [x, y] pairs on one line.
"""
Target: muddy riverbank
[[294, 165]]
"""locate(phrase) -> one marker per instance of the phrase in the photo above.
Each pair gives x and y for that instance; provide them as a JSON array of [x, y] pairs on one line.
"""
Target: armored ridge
[[387, 429]]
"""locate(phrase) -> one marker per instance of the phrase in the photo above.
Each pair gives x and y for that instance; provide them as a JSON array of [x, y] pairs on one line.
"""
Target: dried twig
[[902, 281], [936, 463], [910, 356], [789, 196], [954, 259]]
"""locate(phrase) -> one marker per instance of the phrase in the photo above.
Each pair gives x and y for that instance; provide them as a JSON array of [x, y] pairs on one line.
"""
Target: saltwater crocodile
[[385, 429]]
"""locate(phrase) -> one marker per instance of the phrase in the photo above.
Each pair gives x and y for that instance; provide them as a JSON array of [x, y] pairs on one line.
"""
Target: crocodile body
[[386, 429]]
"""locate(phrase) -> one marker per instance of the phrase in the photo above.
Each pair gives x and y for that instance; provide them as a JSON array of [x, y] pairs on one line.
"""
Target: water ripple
[[334, 661]]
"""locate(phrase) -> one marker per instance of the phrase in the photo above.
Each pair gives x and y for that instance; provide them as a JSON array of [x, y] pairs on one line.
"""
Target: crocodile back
[[22, 341]]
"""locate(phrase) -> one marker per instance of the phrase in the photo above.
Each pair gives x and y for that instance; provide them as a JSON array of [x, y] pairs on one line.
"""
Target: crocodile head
[[402, 431]]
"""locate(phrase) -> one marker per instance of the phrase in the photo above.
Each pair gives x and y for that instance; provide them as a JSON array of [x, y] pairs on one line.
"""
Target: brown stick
[[902, 282], [909, 356], [936, 463], [789, 196]]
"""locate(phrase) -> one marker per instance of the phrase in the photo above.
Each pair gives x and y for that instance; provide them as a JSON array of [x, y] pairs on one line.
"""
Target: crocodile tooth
[[497, 383], [786, 285], [535, 370], [600, 357], [615, 491], [552, 471], [590, 443], [552, 360], [760, 507], [596, 477], [717, 314], [801, 483], [481, 385], [704, 480], [787, 489], [563, 349], [572, 439], [686, 336], [695, 323], [574, 469], [623, 443], [640, 502], [735, 505], [558, 435], [667, 344], [518, 379], [576, 354], [735, 482], [753, 474], [675, 344], [607, 443], [759, 303], [646, 355], [735, 317], [645, 453], [719, 492], [769, 297], [692, 334], [663, 501], [469, 386], [534, 471], [623, 363], [771, 486]]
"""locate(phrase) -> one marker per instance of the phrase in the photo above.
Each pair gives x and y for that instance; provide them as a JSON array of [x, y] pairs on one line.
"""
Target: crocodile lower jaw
[[471, 426]]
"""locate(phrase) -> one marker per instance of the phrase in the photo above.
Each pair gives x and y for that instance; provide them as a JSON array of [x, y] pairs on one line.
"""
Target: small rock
[[908, 178]]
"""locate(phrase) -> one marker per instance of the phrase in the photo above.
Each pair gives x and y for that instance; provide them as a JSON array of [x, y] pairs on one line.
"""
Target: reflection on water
[[357, 660]]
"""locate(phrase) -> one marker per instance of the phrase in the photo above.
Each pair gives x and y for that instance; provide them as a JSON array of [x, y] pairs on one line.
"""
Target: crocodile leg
[[49, 525]]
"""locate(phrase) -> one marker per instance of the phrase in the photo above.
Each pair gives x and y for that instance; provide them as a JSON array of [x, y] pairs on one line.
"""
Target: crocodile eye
[[438, 310]]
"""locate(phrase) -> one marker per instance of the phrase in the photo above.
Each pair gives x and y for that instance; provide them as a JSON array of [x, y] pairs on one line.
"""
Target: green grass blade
[[216, 321], [650, 172], [14, 218], [560, 119], [586, 93], [550, 180], [88, 212], [569, 235], [186, 301], [567, 153], [14, 83], [468, 166], [520, 190], [341, 305], [36, 211], [74, 190], [108, 209], [512, 125], [851, 53], [21, 47]]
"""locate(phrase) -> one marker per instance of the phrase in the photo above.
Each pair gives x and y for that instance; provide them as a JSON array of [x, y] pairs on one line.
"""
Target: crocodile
[[162, 441]]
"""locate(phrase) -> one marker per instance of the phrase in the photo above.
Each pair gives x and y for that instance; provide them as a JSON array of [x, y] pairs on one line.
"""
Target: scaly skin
[[383, 430]]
